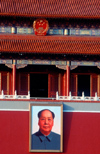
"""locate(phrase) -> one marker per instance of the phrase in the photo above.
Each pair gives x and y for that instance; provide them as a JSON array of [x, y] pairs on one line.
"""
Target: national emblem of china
[[40, 26]]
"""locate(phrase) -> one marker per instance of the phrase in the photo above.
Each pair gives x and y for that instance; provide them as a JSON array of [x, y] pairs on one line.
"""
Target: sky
[[57, 120]]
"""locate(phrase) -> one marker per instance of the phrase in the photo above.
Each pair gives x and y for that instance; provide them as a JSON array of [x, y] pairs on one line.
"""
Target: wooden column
[[68, 79], [63, 84], [98, 86], [14, 77]]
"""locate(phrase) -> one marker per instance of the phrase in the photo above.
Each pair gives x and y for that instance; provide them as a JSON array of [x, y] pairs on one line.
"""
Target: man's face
[[45, 122]]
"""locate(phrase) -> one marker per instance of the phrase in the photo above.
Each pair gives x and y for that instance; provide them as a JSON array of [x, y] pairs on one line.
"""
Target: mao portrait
[[46, 131]]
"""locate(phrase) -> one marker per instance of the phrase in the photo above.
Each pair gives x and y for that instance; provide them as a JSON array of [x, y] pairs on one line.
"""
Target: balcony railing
[[2, 96], [64, 98], [78, 98], [15, 96]]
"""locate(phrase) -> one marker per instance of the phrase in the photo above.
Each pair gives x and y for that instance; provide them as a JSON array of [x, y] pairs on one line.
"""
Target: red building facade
[[56, 60]]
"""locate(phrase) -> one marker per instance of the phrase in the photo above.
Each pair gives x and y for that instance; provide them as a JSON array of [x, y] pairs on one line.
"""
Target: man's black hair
[[39, 113]]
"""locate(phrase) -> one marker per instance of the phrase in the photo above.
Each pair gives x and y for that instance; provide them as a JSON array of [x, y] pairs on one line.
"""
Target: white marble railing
[[80, 98], [70, 97], [2, 96]]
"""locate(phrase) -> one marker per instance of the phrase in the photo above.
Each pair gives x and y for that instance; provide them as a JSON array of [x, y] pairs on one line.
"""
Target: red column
[[67, 79], [14, 77], [63, 84]]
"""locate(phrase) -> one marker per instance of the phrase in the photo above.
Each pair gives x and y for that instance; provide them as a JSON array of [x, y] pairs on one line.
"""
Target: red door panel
[[93, 84], [22, 86], [53, 85], [73, 85]]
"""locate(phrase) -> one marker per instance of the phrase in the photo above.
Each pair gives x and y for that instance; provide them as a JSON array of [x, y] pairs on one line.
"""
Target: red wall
[[81, 132]]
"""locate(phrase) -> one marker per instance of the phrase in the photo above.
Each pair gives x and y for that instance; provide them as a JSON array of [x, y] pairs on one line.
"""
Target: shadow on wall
[[67, 118]]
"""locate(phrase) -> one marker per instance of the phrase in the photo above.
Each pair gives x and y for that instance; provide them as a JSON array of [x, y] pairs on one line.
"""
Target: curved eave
[[51, 8], [78, 16], [50, 44]]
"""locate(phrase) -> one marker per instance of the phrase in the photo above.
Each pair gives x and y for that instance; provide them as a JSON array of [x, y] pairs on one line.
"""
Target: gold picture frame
[[39, 142]]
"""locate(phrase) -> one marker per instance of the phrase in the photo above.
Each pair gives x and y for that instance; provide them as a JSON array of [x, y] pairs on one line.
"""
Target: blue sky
[[57, 120]]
